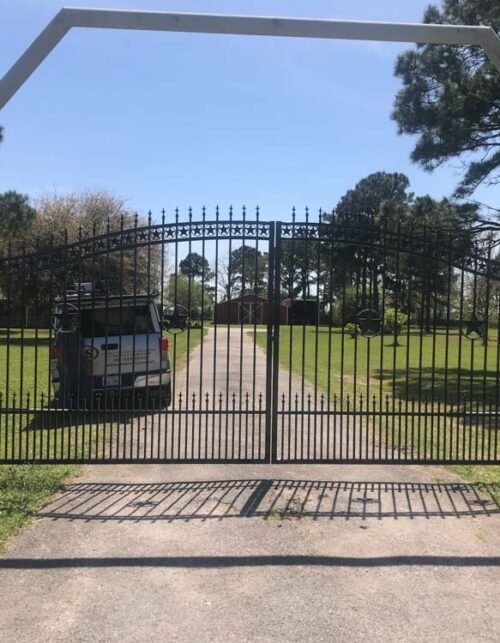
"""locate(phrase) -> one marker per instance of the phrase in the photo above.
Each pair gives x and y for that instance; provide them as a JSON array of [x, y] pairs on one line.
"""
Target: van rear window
[[129, 320]]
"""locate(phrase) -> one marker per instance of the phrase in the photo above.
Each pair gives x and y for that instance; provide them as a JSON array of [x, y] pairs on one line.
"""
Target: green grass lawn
[[24, 489], [24, 381], [432, 369]]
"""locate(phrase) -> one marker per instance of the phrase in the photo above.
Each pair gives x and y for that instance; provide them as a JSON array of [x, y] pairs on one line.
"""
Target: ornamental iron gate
[[242, 340]]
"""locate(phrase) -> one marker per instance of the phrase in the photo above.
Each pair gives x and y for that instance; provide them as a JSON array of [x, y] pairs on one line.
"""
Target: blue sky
[[165, 120]]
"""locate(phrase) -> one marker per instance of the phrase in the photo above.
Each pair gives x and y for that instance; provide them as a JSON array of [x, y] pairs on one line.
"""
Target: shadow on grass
[[442, 383], [414, 332], [64, 418]]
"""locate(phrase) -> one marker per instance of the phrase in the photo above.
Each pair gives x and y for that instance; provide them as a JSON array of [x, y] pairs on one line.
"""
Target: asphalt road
[[256, 553]]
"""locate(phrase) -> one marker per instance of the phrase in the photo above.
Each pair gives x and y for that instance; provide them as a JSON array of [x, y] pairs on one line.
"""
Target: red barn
[[247, 309]]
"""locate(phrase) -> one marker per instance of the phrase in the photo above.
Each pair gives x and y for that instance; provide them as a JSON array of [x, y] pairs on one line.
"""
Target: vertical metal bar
[[203, 418], [250, 308], [273, 336], [136, 420], [360, 432], [305, 296], [107, 288], [486, 315], [150, 402], [397, 285], [446, 402], [330, 248], [254, 355], [188, 340], [162, 421], [343, 245], [375, 416], [497, 381], [422, 331], [316, 338], [19, 418], [472, 348], [291, 297], [8, 356], [410, 313], [382, 297], [228, 328], [214, 360], [359, 305], [35, 325]]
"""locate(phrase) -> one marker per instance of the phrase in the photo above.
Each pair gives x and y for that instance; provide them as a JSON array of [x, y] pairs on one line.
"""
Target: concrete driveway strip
[[226, 373], [256, 553]]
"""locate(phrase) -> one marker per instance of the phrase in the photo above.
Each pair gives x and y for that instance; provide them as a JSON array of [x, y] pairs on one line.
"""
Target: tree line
[[361, 259], [48, 228]]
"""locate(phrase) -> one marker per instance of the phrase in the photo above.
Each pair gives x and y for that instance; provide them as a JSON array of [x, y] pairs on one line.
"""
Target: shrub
[[351, 329], [394, 322], [346, 306]]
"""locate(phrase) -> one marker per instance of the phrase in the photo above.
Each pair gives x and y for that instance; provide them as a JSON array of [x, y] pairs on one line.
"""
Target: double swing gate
[[242, 340]]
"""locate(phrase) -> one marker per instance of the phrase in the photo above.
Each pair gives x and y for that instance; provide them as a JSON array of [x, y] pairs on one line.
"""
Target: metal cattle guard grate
[[240, 340]]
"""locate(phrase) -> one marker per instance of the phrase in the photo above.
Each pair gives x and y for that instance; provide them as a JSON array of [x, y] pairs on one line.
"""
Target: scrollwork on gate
[[129, 239]]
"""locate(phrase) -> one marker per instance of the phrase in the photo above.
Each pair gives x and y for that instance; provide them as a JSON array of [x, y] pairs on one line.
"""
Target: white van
[[109, 344]]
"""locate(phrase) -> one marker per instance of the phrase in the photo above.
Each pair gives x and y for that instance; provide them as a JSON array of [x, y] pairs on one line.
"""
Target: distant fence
[[26, 322]]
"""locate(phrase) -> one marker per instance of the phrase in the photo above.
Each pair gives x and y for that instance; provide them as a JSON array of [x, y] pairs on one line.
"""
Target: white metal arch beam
[[68, 18]]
